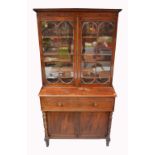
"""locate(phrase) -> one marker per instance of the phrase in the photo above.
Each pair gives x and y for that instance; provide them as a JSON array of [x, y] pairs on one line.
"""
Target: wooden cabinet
[[77, 49]]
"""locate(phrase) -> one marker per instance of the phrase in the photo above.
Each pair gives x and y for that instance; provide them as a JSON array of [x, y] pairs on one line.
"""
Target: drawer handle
[[94, 104], [60, 104]]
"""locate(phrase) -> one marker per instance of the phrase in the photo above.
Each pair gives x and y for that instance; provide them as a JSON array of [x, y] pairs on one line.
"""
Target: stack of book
[[64, 53], [89, 48]]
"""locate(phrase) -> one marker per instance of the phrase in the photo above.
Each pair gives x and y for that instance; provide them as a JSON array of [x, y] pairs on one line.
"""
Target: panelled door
[[93, 124], [62, 124]]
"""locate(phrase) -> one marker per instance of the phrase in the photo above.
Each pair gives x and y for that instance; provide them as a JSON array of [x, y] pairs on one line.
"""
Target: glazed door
[[97, 43], [57, 39]]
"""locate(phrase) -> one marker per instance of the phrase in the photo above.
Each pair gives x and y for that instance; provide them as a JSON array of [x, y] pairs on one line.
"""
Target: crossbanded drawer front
[[77, 104]]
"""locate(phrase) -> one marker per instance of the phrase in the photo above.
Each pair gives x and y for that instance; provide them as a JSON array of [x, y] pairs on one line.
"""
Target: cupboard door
[[94, 124], [96, 51], [57, 45], [61, 124]]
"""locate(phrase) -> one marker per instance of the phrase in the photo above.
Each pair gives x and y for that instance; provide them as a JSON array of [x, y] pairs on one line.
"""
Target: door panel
[[57, 40], [93, 124], [97, 40], [61, 124]]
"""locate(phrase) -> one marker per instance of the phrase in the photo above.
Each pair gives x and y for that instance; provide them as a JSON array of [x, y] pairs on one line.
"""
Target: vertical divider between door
[[75, 51]]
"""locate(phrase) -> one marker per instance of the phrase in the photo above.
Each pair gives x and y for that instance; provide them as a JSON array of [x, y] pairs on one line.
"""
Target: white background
[[21, 130], [118, 143]]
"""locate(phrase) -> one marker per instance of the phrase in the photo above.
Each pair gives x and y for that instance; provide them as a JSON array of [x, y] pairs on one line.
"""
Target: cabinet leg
[[109, 128], [47, 142], [107, 141], [46, 139]]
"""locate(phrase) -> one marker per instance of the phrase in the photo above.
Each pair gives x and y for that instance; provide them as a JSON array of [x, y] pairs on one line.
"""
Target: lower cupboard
[[78, 124]]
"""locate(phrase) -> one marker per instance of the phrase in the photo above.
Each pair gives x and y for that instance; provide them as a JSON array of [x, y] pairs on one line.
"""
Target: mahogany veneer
[[77, 97]]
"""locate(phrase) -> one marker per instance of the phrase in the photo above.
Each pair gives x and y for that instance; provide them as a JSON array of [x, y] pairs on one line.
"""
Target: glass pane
[[58, 50], [96, 52], [88, 72]]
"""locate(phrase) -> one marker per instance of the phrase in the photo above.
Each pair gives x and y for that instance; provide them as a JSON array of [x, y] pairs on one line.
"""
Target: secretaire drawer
[[77, 104]]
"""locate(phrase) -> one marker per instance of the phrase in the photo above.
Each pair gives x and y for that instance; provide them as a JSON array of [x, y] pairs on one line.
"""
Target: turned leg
[[109, 128], [47, 142], [107, 141], [45, 126]]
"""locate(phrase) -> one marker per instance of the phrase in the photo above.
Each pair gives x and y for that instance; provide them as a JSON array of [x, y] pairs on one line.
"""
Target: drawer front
[[77, 104]]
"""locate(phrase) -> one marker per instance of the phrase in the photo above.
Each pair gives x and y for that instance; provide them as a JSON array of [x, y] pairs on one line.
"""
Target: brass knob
[[94, 104], [60, 104]]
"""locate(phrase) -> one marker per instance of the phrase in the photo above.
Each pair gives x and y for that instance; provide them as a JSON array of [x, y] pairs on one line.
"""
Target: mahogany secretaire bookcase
[[77, 50]]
